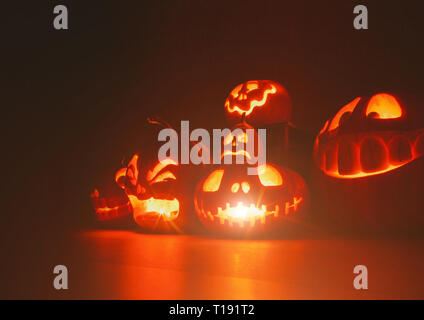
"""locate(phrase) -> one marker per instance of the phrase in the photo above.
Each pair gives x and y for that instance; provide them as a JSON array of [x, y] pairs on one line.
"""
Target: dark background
[[74, 101]]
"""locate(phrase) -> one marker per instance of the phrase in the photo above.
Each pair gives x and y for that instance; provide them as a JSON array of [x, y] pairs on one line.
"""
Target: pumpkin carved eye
[[213, 181], [251, 86], [383, 106], [166, 176], [155, 175], [343, 114], [245, 186], [235, 187], [270, 177]]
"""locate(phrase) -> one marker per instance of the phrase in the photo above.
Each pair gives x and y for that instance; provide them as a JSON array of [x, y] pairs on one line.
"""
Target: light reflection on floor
[[128, 265]]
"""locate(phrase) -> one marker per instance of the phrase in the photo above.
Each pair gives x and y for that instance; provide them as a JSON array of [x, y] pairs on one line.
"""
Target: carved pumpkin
[[230, 201], [368, 155], [263, 102], [155, 191], [110, 208], [368, 137]]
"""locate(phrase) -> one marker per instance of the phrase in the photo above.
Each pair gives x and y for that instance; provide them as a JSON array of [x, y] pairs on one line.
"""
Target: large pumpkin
[[229, 201], [232, 202], [368, 157], [263, 102]]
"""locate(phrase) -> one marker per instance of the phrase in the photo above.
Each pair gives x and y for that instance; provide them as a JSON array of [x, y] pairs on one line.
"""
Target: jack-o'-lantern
[[368, 137], [263, 102], [368, 155], [230, 201], [154, 192], [111, 207]]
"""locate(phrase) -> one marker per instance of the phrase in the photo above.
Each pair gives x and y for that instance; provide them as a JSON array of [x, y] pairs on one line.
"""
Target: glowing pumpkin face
[[262, 101], [151, 192], [241, 144], [229, 200], [368, 137]]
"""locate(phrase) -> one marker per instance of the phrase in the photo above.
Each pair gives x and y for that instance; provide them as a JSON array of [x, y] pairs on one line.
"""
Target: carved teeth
[[346, 157], [399, 150], [373, 155]]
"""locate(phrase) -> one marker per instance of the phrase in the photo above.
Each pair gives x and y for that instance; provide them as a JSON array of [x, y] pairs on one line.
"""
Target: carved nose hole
[[235, 187], [245, 186]]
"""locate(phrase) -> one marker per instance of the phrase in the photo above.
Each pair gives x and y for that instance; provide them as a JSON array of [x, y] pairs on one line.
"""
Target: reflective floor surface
[[129, 265]]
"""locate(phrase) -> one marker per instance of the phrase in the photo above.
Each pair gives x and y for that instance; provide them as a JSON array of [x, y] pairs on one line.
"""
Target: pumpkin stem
[[243, 118]]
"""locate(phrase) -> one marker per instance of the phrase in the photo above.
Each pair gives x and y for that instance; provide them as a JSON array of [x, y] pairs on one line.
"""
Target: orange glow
[[121, 173], [324, 127], [235, 91], [158, 167], [245, 186], [160, 208], [235, 187], [252, 86], [248, 215], [239, 152], [213, 181], [347, 108], [228, 139], [388, 164], [360, 174], [269, 176], [166, 176], [384, 106], [253, 103], [107, 208], [242, 137]]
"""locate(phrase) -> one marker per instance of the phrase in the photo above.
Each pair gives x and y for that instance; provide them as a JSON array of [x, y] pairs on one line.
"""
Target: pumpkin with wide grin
[[229, 200]]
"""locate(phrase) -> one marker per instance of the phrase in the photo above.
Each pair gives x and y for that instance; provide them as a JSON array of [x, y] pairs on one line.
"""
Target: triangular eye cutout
[[269, 176], [384, 106], [154, 175], [347, 109], [164, 177], [213, 181]]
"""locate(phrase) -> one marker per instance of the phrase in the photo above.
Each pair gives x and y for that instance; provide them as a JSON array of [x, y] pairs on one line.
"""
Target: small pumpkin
[[156, 194]]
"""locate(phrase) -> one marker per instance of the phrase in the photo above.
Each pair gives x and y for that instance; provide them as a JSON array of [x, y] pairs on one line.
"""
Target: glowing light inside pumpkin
[[242, 212], [235, 153], [235, 187], [152, 207], [346, 109], [110, 208], [245, 186], [269, 176], [331, 165], [159, 166], [253, 104], [244, 215], [213, 181], [165, 176], [384, 106]]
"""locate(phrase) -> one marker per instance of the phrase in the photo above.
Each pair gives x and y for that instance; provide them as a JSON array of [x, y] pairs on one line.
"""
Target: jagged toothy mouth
[[154, 208], [240, 214]]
